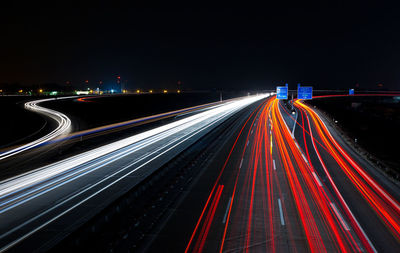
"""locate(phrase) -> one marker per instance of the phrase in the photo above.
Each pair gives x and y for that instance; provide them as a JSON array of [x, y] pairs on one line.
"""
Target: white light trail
[[10, 186], [64, 126]]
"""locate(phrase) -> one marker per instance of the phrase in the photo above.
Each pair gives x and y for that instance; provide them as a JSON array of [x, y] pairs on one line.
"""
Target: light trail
[[41, 174], [256, 213], [285, 143], [63, 126], [56, 137], [384, 205], [29, 186], [195, 231], [356, 225], [259, 196], [256, 201], [139, 121]]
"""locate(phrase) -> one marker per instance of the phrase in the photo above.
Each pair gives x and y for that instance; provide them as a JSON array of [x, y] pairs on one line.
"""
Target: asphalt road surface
[[286, 189], [280, 182]]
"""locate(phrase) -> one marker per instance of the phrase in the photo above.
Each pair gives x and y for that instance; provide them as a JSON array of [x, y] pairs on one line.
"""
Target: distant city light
[[20, 91], [41, 90], [112, 91], [151, 91], [137, 91], [165, 91], [82, 92], [179, 91]]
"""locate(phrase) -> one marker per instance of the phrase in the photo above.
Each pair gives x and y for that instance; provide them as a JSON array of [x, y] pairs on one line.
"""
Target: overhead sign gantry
[[304, 92], [282, 92]]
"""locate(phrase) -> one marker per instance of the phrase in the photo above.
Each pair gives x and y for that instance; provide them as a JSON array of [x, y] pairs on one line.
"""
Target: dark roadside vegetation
[[373, 121]]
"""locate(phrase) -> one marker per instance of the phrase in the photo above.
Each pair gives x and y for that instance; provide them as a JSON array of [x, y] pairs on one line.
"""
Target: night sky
[[240, 47]]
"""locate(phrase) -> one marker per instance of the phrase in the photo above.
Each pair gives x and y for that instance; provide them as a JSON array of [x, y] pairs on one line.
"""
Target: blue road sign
[[304, 92], [351, 92], [281, 92]]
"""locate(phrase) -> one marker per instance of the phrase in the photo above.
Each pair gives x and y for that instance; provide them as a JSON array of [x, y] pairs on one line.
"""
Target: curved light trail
[[63, 126]]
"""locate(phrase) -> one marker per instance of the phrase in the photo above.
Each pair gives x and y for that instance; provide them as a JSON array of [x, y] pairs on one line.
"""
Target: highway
[[71, 191], [277, 182], [16, 160], [283, 188]]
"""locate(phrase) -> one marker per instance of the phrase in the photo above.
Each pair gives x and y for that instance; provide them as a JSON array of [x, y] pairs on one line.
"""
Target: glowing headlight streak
[[134, 122], [61, 132], [183, 129], [64, 126], [39, 175]]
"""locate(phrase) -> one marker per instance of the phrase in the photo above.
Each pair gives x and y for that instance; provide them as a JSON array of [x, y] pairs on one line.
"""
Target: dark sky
[[327, 46]]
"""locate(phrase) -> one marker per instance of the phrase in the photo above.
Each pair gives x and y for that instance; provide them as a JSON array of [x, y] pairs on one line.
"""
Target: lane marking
[[247, 143], [227, 209], [295, 123], [241, 162], [71, 194], [316, 178], [271, 145], [273, 161], [339, 215], [301, 152], [281, 212]]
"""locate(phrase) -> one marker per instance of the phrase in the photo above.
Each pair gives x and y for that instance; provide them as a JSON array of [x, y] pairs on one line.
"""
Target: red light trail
[[279, 188]]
